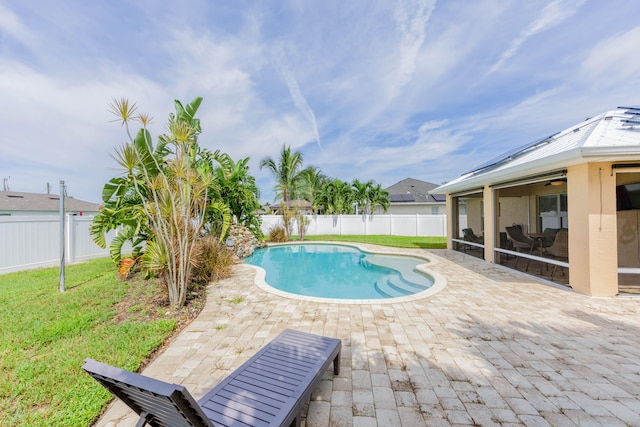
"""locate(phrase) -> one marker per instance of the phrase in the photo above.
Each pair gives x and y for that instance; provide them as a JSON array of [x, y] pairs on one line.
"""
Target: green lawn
[[46, 335], [395, 241]]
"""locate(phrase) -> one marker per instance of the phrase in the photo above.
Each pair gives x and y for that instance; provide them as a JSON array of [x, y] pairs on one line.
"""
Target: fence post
[[62, 236], [444, 225], [71, 239]]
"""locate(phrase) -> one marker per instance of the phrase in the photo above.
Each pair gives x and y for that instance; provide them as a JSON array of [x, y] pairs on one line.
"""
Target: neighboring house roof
[[36, 202], [411, 190], [610, 136]]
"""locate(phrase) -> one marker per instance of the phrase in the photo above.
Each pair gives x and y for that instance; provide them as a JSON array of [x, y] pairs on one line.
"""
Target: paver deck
[[493, 348]]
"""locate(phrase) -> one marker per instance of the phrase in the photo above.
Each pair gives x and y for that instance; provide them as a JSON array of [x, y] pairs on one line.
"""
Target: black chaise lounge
[[269, 389]]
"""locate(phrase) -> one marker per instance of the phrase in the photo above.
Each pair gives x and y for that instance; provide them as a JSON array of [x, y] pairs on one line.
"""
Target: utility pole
[[62, 235]]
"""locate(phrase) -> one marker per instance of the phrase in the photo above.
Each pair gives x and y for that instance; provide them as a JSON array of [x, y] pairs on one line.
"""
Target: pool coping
[[439, 281]]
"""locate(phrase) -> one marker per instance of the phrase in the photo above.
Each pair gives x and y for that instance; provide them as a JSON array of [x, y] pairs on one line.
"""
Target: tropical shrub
[[164, 198], [213, 261], [277, 234]]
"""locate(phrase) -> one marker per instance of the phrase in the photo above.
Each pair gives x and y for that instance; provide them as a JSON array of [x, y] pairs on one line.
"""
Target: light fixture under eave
[[556, 182]]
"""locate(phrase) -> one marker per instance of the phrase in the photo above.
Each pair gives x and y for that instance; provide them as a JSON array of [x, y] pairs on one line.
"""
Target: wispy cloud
[[615, 59], [411, 18], [552, 15], [299, 99], [375, 90], [11, 26]]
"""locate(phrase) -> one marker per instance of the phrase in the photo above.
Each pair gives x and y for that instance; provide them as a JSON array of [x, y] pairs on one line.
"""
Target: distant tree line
[[326, 195]]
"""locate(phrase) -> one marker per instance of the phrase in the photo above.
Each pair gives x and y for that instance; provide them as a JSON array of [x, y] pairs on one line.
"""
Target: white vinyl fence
[[398, 225], [34, 241]]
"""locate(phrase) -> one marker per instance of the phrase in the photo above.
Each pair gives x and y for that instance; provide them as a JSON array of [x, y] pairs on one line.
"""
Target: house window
[[434, 210], [552, 211]]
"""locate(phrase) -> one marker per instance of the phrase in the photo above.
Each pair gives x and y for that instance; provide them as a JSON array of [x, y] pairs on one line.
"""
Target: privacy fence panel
[[34, 241], [398, 225], [28, 242]]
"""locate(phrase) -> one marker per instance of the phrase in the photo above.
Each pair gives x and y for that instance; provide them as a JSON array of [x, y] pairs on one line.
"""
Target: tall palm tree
[[313, 179], [286, 172]]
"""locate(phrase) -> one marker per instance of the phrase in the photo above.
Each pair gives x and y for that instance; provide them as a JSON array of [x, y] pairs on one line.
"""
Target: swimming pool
[[339, 271]]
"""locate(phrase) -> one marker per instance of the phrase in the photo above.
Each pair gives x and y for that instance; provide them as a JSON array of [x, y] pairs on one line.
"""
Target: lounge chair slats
[[302, 358], [249, 395], [270, 369], [162, 404], [269, 389]]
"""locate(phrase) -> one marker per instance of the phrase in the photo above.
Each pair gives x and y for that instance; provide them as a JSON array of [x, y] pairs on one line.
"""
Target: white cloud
[[552, 15], [299, 99], [394, 88], [12, 25], [412, 18], [615, 59]]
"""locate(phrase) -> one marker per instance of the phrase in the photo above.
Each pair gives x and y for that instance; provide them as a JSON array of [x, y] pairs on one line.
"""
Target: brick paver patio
[[493, 348]]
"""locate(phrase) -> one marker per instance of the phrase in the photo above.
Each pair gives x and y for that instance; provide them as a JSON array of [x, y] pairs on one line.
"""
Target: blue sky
[[380, 90]]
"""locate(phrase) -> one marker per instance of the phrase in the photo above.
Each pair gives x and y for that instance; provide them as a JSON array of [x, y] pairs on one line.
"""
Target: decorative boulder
[[242, 242]]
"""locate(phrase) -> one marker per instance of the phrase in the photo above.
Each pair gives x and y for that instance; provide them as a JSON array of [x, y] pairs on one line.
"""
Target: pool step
[[394, 286], [409, 274]]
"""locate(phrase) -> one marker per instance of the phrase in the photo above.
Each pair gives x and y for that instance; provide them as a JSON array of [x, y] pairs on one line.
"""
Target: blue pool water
[[337, 271]]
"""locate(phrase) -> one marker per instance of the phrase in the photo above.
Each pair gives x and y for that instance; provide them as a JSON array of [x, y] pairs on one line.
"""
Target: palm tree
[[336, 197], [377, 196], [313, 179], [286, 172], [361, 192], [238, 189]]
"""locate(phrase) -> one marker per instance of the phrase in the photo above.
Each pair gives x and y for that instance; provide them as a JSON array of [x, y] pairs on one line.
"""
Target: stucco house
[[584, 181], [411, 196], [20, 203]]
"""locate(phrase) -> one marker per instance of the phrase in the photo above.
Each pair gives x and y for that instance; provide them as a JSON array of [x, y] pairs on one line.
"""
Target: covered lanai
[[565, 207]]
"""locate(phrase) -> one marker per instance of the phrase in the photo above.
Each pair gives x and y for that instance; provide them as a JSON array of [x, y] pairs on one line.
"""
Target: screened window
[[552, 211]]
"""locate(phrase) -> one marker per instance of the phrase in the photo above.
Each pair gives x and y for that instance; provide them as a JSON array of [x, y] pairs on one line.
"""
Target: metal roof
[[610, 136], [36, 202]]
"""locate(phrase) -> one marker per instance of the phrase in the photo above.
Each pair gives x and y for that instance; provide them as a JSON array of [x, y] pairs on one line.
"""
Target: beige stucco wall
[[513, 210], [490, 208], [593, 260], [451, 222], [474, 215]]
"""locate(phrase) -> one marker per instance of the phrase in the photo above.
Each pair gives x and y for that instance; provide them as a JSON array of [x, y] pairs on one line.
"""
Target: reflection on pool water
[[338, 271]]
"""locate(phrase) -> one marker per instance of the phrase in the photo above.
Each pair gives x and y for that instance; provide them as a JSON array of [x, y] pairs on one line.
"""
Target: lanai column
[[451, 221], [593, 249], [489, 223]]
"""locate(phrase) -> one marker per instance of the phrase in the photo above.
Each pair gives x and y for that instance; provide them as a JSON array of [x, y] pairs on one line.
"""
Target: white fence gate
[[34, 241], [398, 225]]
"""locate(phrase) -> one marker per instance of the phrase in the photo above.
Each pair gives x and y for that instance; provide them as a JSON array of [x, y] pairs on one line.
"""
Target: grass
[[426, 242], [47, 335]]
